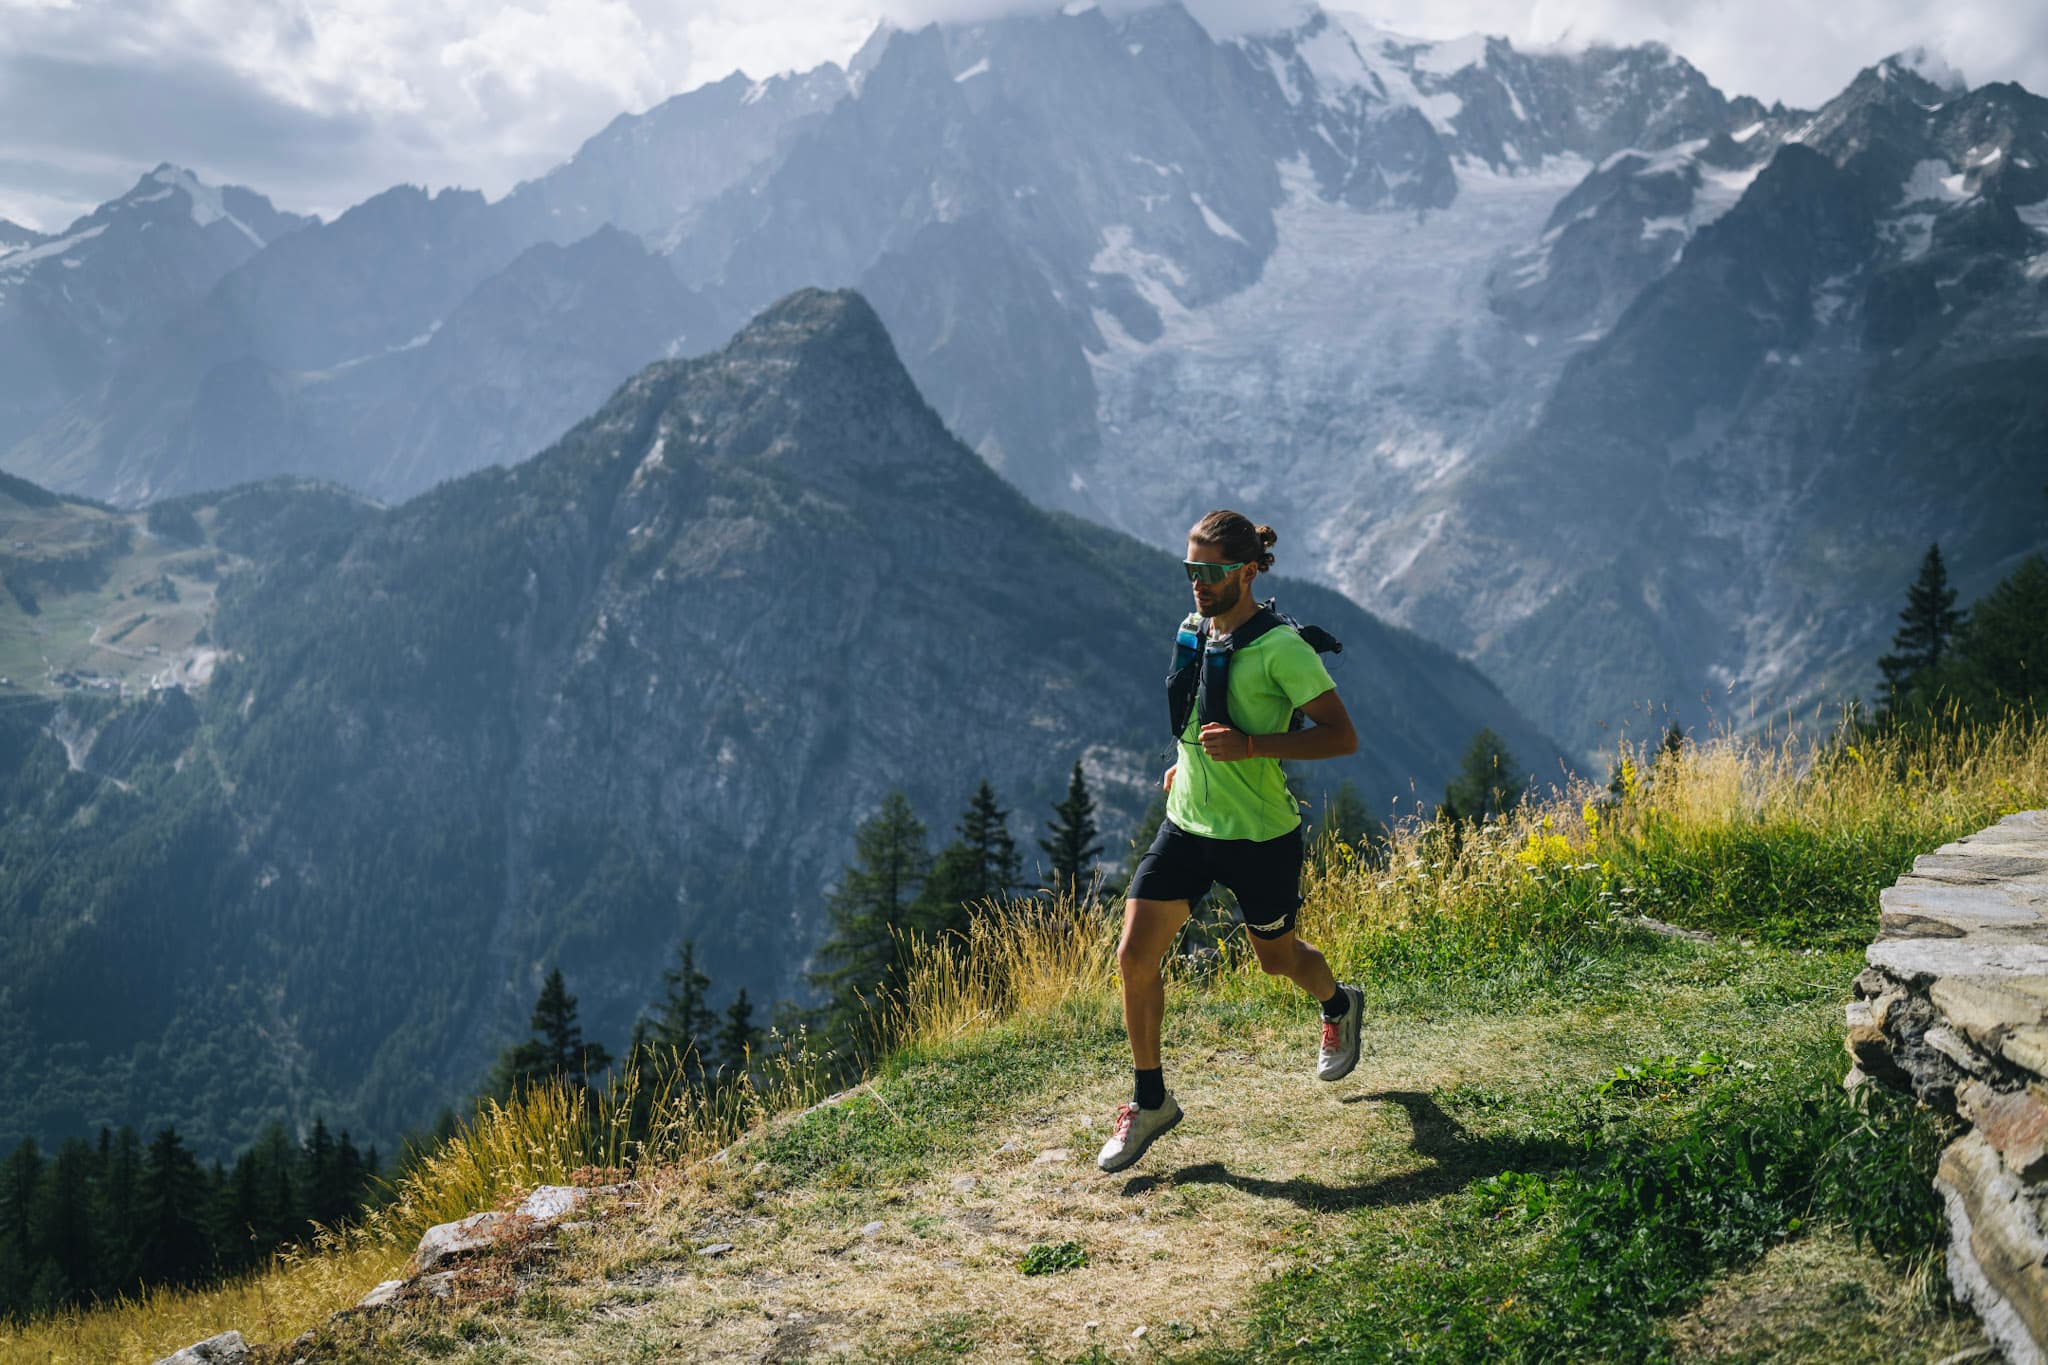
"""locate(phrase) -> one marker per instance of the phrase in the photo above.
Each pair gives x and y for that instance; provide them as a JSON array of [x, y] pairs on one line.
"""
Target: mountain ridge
[[638, 688]]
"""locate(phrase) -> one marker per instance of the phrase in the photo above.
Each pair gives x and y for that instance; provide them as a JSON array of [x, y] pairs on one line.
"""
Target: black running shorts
[[1264, 875]]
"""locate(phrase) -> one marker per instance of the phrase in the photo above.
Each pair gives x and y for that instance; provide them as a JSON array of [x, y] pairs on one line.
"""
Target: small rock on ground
[[463, 1237], [226, 1349]]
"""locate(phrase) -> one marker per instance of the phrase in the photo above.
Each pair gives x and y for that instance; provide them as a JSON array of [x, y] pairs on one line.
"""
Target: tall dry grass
[[563, 1133], [1727, 815], [295, 1293], [1022, 957]]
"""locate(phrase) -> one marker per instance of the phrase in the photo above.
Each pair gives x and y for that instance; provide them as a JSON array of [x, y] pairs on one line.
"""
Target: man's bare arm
[[1331, 736]]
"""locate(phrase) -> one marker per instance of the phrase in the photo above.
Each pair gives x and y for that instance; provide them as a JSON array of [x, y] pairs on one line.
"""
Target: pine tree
[[555, 1047], [280, 1214], [1926, 627], [61, 1227], [739, 1038], [331, 1176], [349, 1180], [118, 1193], [174, 1246], [1487, 785], [981, 865], [316, 1171], [1072, 844], [19, 1177], [683, 1022], [240, 1226], [871, 911], [2001, 654]]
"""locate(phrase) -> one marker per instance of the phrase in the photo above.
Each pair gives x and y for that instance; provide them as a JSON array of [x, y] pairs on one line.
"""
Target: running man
[[1229, 815]]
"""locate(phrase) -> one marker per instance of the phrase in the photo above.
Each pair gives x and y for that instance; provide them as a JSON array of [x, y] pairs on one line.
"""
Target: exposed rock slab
[[1954, 1008]]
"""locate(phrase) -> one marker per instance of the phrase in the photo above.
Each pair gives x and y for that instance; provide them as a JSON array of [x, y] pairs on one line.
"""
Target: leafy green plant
[[1666, 1076], [1049, 1258]]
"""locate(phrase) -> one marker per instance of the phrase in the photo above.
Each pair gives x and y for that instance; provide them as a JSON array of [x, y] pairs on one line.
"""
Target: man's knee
[[1276, 955], [1149, 927], [1135, 959], [1135, 966]]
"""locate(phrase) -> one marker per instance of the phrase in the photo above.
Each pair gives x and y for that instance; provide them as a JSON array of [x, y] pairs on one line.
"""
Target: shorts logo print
[[1268, 928]]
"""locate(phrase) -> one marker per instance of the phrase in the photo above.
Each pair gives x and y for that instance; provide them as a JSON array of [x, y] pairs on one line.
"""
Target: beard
[[1222, 602]]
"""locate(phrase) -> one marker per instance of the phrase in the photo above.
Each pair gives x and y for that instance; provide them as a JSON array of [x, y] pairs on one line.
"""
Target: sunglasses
[[1201, 571]]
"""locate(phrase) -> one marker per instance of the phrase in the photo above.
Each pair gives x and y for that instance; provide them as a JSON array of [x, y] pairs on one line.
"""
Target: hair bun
[[1233, 534]]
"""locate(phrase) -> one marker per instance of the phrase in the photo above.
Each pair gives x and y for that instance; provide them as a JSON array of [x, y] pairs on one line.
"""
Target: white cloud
[[321, 103]]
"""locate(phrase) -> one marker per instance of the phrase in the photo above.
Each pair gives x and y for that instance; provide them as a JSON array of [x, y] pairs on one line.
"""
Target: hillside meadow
[[1575, 1133]]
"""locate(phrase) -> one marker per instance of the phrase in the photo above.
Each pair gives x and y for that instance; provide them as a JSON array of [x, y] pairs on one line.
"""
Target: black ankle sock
[[1337, 1006], [1150, 1092]]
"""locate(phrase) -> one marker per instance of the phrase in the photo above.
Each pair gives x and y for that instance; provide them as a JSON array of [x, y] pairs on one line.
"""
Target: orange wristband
[[1248, 749]]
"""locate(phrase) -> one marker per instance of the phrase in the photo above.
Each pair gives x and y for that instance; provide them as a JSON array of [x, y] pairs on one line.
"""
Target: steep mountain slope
[[1725, 493], [640, 687]]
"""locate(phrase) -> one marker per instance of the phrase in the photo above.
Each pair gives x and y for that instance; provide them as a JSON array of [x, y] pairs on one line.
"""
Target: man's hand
[[1224, 744], [1167, 784]]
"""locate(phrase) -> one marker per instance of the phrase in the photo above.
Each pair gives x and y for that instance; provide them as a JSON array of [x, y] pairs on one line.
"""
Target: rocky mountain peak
[[821, 324], [814, 381], [1921, 70], [647, 172]]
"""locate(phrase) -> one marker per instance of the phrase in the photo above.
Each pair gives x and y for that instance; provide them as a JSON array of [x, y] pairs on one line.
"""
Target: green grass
[[1782, 885], [1578, 1222]]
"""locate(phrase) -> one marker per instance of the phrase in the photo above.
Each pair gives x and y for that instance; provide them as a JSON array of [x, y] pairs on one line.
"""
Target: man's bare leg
[[1149, 927], [1299, 962]]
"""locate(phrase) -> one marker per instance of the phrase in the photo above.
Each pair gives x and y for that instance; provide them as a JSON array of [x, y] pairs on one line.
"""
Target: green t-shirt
[[1269, 678]]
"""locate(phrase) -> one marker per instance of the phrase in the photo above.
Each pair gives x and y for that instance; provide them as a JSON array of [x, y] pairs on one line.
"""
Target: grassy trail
[[892, 1227]]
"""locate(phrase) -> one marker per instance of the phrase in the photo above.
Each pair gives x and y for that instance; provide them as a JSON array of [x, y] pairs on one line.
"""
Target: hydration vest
[[1199, 683]]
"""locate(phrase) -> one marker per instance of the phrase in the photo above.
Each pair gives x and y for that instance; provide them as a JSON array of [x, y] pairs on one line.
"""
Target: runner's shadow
[[1456, 1159]]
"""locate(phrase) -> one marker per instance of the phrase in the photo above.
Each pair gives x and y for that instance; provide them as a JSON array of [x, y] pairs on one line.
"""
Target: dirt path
[[1267, 1159]]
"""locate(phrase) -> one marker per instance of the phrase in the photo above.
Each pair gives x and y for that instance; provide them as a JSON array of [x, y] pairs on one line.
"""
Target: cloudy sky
[[321, 103]]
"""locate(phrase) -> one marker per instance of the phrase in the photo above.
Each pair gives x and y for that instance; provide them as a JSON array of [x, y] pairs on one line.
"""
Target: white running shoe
[[1339, 1052], [1134, 1131]]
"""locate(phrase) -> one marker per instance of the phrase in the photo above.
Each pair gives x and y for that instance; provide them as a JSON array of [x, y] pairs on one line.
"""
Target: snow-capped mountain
[[69, 303], [1471, 324], [1722, 498]]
